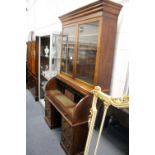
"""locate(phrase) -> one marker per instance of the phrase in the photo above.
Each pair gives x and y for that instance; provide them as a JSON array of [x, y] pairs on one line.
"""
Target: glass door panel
[[87, 48], [68, 49], [44, 63], [56, 48]]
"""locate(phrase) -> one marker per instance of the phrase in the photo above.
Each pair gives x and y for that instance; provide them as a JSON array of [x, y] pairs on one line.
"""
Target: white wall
[[119, 83], [42, 17], [45, 13]]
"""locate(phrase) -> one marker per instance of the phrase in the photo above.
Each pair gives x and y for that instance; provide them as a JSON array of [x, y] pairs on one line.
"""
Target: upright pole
[[91, 122], [101, 127], [122, 102]]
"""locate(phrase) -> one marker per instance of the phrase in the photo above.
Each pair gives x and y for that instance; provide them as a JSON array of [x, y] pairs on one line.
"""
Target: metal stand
[[122, 102]]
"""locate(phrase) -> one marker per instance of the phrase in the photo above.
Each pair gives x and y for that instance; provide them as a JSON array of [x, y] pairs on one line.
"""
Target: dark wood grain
[[32, 67]]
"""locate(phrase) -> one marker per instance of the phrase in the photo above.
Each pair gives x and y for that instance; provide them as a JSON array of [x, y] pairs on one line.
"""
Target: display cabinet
[[49, 59], [78, 61], [44, 62]]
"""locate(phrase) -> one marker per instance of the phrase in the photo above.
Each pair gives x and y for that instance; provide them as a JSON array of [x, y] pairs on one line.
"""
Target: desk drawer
[[47, 109], [67, 130], [53, 118], [67, 145]]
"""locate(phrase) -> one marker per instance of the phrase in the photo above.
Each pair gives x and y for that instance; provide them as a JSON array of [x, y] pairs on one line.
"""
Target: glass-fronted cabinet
[[49, 59], [44, 62], [88, 44], [79, 50]]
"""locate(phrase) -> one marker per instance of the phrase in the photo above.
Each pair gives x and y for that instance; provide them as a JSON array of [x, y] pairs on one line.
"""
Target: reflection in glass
[[44, 63], [87, 48], [56, 48], [68, 49]]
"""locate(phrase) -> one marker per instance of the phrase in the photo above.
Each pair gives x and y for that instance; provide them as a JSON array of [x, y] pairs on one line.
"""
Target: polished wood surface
[[76, 108], [78, 85], [73, 139], [32, 67], [98, 8], [64, 101]]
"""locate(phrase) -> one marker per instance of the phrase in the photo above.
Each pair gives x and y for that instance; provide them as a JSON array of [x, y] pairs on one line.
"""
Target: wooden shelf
[[44, 57], [87, 49]]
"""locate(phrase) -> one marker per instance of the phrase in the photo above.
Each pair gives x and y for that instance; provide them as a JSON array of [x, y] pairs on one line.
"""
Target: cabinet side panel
[[37, 55], [33, 58], [107, 52], [29, 56]]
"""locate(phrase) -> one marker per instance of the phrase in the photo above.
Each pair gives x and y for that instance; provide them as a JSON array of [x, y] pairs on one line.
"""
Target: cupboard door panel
[[68, 45], [87, 49]]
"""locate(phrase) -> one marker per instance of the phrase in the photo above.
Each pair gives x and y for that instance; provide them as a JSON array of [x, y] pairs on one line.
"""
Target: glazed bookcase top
[[88, 43]]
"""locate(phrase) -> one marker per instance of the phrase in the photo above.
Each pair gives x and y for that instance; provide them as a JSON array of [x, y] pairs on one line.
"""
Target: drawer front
[[48, 112], [66, 144], [67, 131]]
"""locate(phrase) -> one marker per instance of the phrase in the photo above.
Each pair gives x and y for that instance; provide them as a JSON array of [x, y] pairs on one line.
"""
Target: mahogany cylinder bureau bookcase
[[88, 41]]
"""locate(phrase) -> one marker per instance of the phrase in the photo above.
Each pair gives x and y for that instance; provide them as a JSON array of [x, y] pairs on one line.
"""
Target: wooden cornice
[[105, 6]]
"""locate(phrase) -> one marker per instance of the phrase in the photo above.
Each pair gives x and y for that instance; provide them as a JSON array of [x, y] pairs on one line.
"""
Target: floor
[[40, 140]]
